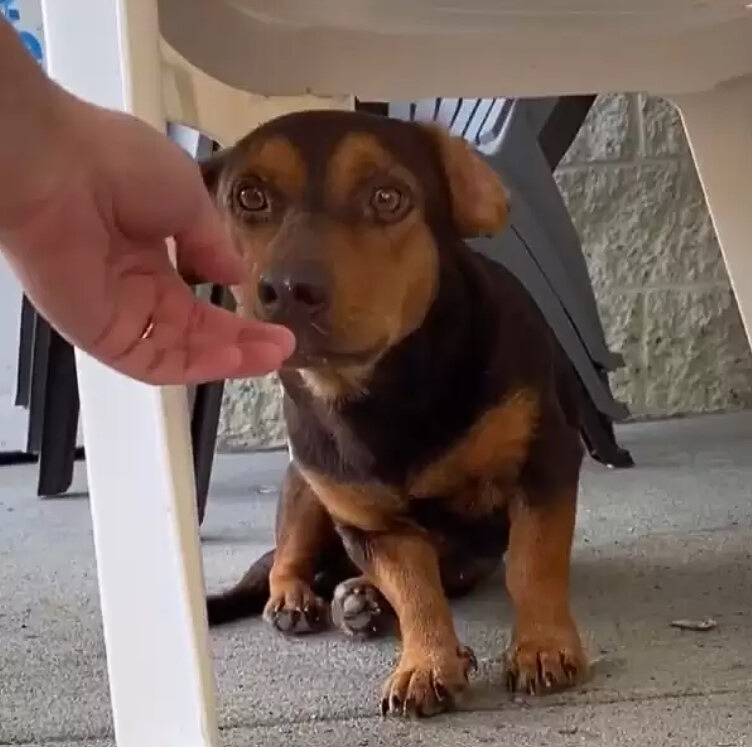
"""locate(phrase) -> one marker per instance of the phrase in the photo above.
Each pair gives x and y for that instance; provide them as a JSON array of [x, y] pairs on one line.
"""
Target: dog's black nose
[[293, 293]]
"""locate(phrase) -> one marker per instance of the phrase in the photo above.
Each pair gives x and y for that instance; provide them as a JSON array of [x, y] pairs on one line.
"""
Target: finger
[[210, 363], [207, 322], [203, 246], [193, 342], [199, 363], [218, 331]]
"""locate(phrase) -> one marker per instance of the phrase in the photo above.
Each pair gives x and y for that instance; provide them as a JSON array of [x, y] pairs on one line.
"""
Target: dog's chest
[[422, 451], [469, 481]]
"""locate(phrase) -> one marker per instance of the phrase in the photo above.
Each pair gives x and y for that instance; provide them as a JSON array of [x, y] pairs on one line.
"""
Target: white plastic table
[[223, 66]]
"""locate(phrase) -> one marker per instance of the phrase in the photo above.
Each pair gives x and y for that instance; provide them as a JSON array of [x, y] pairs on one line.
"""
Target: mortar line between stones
[[644, 352], [604, 164], [699, 285], [640, 124]]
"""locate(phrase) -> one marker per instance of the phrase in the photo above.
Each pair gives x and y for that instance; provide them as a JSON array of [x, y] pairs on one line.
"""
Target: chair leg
[[719, 129], [138, 450], [207, 406], [597, 431], [204, 423], [57, 453], [25, 353], [562, 127], [40, 350]]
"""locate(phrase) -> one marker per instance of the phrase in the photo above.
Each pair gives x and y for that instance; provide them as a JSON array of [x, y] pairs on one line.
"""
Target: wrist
[[36, 153]]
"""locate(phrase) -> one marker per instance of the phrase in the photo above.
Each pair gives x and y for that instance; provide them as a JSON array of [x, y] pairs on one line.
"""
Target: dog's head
[[342, 219]]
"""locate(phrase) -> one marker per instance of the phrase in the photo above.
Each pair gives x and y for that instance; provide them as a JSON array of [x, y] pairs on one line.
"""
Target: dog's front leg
[[433, 669], [546, 652]]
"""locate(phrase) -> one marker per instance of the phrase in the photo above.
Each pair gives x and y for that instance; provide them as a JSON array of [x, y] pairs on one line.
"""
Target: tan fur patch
[[357, 157], [538, 556], [370, 507], [329, 385], [546, 651], [277, 161], [494, 449], [303, 528], [405, 569]]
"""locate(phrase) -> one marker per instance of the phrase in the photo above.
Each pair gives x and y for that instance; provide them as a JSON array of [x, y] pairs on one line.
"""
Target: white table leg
[[137, 443], [719, 129]]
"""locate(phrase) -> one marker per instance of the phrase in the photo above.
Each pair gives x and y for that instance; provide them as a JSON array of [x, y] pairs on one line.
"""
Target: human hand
[[85, 230]]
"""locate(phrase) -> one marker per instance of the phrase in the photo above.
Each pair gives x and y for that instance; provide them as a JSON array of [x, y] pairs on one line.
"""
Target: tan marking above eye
[[358, 158], [278, 163]]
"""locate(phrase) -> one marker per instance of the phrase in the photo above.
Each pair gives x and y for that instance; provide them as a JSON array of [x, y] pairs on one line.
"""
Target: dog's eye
[[387, 200], [253, 198]]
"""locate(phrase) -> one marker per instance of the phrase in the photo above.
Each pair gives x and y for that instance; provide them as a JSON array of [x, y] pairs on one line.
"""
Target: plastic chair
[[541, 246], [195, 62]]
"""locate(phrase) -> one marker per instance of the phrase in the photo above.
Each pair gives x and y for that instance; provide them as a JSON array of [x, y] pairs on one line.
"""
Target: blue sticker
[[9, 10], [32, 44]]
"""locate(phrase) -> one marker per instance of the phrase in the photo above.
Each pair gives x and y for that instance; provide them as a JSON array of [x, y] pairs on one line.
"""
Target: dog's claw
[[410, 708], [442, 694], [545, 664], [471, 657]]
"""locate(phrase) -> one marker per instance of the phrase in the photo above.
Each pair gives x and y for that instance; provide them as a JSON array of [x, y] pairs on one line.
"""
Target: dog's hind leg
[[360, 611], [281, 582]]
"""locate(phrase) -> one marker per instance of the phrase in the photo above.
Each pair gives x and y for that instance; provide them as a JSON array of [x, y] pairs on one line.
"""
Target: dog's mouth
[[306, 357], [316, 347]]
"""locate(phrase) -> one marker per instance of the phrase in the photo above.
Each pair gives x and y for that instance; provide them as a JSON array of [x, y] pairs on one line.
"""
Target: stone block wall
[[662, 288], [663, 292]]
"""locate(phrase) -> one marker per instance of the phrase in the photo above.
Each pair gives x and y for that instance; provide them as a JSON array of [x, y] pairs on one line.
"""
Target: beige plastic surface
[[400, 49]]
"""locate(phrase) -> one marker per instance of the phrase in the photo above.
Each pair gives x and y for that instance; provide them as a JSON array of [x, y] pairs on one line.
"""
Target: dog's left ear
[[480, 203], [212, 168]]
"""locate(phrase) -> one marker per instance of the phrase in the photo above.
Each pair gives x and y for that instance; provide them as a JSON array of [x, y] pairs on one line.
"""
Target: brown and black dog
[[432, 416]]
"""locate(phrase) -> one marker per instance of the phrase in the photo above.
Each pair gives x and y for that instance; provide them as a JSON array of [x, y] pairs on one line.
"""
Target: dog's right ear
[[480, 203], [212, 168]]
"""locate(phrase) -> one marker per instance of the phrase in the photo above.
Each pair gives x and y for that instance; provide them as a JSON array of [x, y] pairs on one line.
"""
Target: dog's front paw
[[359, 610], [545, 658], [293, 608], [429, 683]]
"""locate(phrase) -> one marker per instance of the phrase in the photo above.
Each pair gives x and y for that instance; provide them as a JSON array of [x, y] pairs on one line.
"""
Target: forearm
[[30, 106]]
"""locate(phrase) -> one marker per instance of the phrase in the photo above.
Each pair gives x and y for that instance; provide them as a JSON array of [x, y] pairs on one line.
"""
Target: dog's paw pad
[[296, 610], [359, 610]]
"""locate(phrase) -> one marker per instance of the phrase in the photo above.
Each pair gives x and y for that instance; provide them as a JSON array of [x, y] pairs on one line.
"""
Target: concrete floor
[[669, 539]]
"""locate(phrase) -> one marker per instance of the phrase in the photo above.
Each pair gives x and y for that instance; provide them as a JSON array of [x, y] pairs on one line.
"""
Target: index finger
[[204, 249]]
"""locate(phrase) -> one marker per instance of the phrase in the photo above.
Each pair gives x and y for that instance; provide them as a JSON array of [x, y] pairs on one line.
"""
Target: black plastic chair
[[524, 140]]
